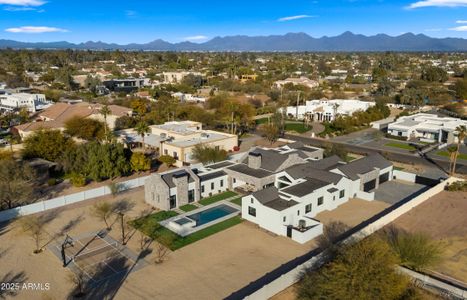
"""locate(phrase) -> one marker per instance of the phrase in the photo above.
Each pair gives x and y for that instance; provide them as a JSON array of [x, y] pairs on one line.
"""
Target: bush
[[51, 182], [140, 162], [77, 180], [458, 186]]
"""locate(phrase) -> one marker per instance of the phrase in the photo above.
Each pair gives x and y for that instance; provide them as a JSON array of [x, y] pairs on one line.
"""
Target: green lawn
[[262, 121], [297, 127], [188, 207], [446, 154], [237, 201], [398, 168], [349, 158], [400, 146], [216, 198], [149, 225]]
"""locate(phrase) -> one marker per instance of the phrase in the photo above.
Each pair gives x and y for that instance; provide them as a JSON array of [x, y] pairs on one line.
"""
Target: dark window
[[308, 208], [191, 196], [212, 185], [202, 189], [173, 201], [320, 200], [222, 183], [298, 212], [399, 133], [252, 211], [284, 219], [251, 200], [175, 155], [342, 194], [234, 180]]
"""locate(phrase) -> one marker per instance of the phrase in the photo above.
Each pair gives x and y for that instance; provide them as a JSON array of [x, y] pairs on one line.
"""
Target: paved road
[[390, 154]]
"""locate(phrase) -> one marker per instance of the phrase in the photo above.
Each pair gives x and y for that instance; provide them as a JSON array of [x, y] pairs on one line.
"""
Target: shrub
[[458, 186], [51, 181], [77, 180], [140, 162]]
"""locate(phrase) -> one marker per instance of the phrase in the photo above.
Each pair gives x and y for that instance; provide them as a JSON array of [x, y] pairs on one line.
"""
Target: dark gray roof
[[242, 168], [280, 204], [327, 163], [220, 165], [211, 175], [309, 170], [305, 188], [168, 178], [270, 197], [295, 145], [271, 160], [332, 190], [364, 165]]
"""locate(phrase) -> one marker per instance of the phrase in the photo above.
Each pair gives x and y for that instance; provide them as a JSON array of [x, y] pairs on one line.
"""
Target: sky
[[141, 21]]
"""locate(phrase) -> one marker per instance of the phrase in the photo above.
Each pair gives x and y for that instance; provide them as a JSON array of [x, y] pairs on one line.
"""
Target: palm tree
[[461, 132], [142, 128], [105, 111], [452, 152]]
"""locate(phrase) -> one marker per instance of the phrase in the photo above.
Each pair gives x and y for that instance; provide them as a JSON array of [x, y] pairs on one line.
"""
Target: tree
[[162, 248], [206, 154], [461, 131], [35, 226], [365, 270], [270, 132], [47, 144], [142, 128], [335, 149], [105, 111], [85, 128], [125, 122], [16, 183], [461, 89], [416, 251], [121, 208], [102, 211], [434, 74], [140, 162], [167, 160]]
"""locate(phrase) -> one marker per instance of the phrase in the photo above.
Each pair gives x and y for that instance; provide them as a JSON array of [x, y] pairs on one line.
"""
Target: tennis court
[[98, 256]]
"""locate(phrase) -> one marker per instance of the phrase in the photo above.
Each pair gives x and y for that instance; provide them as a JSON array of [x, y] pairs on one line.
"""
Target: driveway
[[394, 191]]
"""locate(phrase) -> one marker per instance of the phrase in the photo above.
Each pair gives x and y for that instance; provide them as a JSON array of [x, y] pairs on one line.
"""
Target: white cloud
[[459, 28], [461, 22], [34, 29], [23, 2], [15, 8], [195, 38], [438, 3], [291, 18]]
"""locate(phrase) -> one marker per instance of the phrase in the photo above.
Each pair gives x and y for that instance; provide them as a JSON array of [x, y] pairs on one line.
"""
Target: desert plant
[[102, 211], [77, 179]]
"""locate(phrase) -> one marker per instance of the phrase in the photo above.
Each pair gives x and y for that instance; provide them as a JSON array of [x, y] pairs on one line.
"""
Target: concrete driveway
[[396, 190]]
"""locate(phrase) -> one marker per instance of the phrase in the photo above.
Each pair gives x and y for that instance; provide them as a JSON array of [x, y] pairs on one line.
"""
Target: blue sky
[[145, 20]]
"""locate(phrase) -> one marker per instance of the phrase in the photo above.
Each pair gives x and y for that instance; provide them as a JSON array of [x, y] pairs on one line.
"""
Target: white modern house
[[327, 110], [304, 190], [177, 77], [33, 102], [427, 128], [188, 97]]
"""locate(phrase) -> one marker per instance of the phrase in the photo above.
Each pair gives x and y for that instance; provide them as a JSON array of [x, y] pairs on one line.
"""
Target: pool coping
[[166, 222]]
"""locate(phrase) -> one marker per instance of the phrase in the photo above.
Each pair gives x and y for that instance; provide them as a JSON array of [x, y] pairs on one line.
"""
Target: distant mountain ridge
[[345, 42]]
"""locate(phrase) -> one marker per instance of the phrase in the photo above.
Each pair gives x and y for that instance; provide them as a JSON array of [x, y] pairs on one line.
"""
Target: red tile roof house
[[58, 114]]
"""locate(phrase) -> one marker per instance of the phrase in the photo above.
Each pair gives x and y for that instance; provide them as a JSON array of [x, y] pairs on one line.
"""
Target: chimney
[[254, 160]]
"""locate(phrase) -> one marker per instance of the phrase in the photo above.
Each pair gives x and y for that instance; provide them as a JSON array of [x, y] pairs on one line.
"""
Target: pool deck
[[189, 230]]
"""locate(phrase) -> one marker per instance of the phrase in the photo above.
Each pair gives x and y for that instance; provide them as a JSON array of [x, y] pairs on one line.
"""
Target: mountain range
[[345, 42]]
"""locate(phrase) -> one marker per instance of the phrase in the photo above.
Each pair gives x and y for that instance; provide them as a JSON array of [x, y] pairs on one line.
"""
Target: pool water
[[212, 214]]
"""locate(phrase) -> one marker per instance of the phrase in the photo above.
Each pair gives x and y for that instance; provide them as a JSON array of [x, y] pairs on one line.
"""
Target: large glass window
[[320, 200], [252, 211], [308, 208], [342, 194]]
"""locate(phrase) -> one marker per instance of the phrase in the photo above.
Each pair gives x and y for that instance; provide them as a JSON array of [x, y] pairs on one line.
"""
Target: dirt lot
[[208, 269], [444, 218], [352, 212]]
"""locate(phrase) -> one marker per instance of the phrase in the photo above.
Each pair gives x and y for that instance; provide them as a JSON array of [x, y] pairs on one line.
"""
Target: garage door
[[370, 185], [383, 177]]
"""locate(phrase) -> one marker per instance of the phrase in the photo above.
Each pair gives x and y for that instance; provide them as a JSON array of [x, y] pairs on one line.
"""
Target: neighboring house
[[33, 102], [427, 128], [179, 138], [297, 81], [327, 110], [126, 85], [58, 114], [188, 97], [177, 77], [301, 192]]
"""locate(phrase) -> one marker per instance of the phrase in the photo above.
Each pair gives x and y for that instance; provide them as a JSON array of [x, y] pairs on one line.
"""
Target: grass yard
[[446, 154], [188, 207], [216, 198], [400, 146], [297, 127], [237, 201], [150, 226]]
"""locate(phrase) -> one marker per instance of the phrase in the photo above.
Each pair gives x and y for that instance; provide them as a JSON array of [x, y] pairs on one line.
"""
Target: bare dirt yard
[[352, 212], [443, 217], [211, 268]]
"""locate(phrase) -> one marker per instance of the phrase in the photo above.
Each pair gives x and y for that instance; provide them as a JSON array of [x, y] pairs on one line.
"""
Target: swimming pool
[[203, 217], [212, 214]]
